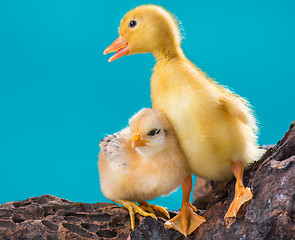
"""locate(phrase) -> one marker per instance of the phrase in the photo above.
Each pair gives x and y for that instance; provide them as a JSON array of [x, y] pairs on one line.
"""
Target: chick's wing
[[116, 147]]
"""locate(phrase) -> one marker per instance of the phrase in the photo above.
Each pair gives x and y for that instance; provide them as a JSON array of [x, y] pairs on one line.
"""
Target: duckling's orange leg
[[242, 194], [187, 220], [133, 208]]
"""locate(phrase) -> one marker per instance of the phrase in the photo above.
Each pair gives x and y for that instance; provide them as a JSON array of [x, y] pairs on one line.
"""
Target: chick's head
[[151, 132], [147, 28]]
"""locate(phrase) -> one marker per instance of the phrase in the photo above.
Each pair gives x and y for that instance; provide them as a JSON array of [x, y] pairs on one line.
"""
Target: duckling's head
[[151, 132], [147, 28]]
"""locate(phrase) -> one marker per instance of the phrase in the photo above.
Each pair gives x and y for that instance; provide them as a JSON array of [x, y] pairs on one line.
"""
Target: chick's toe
[[132, 209]]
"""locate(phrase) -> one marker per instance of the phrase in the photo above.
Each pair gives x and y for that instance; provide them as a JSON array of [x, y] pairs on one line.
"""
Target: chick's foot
[[187, 220], [150, 208], [133, 208]]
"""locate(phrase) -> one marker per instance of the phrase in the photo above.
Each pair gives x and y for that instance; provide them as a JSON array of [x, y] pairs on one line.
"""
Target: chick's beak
[[137, 141], [119, 46]]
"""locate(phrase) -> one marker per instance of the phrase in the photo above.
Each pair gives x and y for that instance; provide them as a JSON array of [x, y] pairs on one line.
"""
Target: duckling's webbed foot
[[150, 208], [187, 220], [242, 194], [133, 208]]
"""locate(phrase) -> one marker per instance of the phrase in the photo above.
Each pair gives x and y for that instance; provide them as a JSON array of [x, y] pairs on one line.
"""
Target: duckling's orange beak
[[120, 46], [137, 141]]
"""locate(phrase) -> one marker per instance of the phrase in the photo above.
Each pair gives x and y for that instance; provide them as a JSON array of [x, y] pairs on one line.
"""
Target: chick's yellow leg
[[242, 194], [132, 209], [150, 208], [187, 220]]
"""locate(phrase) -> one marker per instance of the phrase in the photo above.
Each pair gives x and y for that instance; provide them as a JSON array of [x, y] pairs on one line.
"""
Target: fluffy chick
[[215, 127], [141, 162]]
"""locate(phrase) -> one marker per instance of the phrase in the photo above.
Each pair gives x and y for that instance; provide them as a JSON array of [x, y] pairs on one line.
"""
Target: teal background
[[59, 96]]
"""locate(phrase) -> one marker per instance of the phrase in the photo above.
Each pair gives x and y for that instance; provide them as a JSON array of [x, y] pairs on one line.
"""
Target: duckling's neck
[[168, 53]]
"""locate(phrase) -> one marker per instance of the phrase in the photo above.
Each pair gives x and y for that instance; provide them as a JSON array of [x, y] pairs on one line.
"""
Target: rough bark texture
[[269, 215]]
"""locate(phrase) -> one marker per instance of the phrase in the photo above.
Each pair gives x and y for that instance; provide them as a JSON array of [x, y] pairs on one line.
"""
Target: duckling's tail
[[253, 154]]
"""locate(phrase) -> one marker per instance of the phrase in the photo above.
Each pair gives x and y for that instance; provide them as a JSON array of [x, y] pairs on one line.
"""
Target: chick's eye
[[152, 132], [132, 23]]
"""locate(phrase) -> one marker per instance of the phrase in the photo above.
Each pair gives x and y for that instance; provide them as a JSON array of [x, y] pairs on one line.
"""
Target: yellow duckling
[[215, 127], [141, 162]]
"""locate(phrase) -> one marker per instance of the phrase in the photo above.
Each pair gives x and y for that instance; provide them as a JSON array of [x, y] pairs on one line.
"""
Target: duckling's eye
[[132, 23], [153, 132]]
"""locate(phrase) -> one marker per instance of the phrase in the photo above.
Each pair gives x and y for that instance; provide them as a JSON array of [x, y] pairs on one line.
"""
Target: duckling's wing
[[239, 108]]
